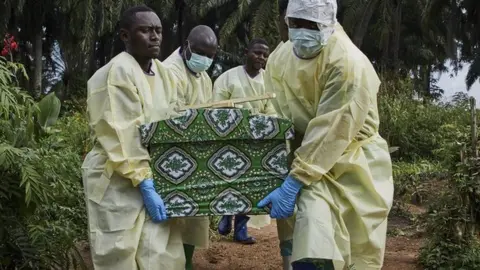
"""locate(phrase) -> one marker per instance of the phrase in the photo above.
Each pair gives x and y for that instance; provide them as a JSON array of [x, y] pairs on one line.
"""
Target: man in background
[[189, 64], [239, 82]]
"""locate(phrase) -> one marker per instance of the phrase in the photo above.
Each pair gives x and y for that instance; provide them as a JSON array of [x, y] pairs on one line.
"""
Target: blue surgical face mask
[[198, 63], [308, 43]]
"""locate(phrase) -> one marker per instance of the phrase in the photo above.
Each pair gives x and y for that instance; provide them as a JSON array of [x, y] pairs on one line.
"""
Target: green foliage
[[453, 221], [442, 254], [420, 129], [430, 137], [49, 110], [41, 197], [454, 218], [409, 178]]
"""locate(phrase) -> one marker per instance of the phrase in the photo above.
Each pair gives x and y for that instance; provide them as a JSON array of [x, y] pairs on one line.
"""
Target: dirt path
[[400, 253]]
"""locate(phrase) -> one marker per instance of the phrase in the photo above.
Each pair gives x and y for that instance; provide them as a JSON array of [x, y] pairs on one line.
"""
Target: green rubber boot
[[189, 249]]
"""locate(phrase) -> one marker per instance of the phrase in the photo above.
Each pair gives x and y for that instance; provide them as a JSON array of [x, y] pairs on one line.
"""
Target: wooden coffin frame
[[231, 103]]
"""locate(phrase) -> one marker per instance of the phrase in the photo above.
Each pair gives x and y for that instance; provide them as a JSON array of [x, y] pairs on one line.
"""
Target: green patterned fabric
[[217, 161]]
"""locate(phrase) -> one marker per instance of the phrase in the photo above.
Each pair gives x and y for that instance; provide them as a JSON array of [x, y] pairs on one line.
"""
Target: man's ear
[[124, 35], [186, 53], [246, 51]]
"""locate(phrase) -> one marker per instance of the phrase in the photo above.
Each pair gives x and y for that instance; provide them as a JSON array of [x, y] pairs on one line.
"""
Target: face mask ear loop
[[185, 51]]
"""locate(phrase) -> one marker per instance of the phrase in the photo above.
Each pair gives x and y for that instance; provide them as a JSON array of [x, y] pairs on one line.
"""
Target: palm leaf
[[234, 20], [473, 72], [261, 24], [203, 7]]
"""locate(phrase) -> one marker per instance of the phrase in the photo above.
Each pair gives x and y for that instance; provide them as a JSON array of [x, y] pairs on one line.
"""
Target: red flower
[[9, 45], [13, 46]]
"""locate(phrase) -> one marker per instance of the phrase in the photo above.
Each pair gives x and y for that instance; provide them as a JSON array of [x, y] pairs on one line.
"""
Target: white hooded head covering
[[323, 12]]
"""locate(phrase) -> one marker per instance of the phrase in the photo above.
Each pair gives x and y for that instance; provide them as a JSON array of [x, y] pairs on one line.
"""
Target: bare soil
[[403, 245], [401, 252]]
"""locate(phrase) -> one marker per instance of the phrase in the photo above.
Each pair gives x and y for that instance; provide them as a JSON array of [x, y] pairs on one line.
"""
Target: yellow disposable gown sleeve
[[227, 85], [181, 85], [117, 126], [221, 89], [341, 113], [275, 108]]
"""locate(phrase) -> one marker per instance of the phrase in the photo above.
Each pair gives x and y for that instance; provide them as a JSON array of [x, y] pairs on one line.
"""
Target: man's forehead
[[147, 18], [260, 46], [203, 45], [203, 39]]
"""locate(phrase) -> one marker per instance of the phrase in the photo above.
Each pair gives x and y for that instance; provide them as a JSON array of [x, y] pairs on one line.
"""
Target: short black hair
[[257, 41], [282, 6], [128, 16]]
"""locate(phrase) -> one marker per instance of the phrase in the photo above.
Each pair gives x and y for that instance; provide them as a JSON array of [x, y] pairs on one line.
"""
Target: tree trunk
[[168, 41], [397, 28], [180, 7], [104, 48], [92, 62], [362, 27], [426, 80], [92, 65], [38, 63]]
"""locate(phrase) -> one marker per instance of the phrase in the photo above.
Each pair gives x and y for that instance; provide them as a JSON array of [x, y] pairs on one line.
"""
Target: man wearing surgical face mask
[[308, 38], [341, 174], [189, 65]]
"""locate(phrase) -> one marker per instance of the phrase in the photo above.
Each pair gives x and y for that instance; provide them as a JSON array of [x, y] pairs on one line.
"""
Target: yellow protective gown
[[192, 89], [344, 163], [284, 226], [122, 236], [236, 83]]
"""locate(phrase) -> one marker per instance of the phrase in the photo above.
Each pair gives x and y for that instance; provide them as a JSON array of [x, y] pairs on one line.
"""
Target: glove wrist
[[292, 185], [146, 184]]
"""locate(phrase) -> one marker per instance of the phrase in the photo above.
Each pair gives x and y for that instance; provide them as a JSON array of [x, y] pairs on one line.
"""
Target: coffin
[[217, 161]]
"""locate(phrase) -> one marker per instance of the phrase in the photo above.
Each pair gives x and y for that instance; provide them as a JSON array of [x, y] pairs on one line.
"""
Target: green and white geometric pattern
[[275, 161], [263, 127], [290, 134], [223, 121], [175, 165], [146, 132], [182, 123], [230, 202], [217, 161], [180, 205], [229, 163]]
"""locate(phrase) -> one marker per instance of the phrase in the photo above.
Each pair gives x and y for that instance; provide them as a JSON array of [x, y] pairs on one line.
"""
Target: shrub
[[41, 198]]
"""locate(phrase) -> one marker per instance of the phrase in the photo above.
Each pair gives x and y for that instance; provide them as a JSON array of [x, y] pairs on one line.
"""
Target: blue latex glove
[[282, 199], [153, 202]]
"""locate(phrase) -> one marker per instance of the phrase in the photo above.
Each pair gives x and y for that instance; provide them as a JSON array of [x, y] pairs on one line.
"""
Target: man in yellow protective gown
[[127, 218], [284, 226], [189, 64], [341, 172], [240, 82]]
